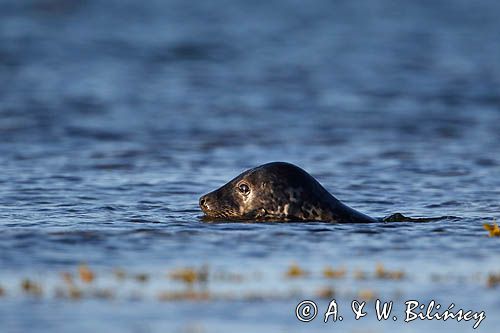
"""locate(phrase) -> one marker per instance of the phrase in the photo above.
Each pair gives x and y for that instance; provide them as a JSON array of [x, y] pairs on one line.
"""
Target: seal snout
[[204, 204]]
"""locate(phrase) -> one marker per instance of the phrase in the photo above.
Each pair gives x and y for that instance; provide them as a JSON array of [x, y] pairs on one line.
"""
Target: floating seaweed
[[77, 285], [119, 274], [75, 293], [330, 273], [295, 271], [141, 277], [71, 292], [86, 275], [31, 287], [67, 278], [493, 229], [366, 294], [493, 280], [190, 275], [326, 292], [382, 273]]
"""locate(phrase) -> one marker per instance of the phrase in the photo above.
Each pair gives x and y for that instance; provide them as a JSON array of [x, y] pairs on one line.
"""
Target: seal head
[[277, 191]]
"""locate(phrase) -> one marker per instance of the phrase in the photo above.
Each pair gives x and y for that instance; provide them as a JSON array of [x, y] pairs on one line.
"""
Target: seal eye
[[243, 188]]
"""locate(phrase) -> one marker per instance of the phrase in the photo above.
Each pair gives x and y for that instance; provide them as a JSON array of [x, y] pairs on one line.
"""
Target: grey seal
[[277, 191]]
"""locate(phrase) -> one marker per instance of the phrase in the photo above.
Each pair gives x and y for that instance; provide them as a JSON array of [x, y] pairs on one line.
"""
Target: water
[[116, 116]]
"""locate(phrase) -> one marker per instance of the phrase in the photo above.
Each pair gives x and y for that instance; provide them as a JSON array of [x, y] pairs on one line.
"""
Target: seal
[[277, 191]]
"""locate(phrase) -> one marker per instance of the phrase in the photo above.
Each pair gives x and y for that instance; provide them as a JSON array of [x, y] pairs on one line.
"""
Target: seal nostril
[[203, 203]]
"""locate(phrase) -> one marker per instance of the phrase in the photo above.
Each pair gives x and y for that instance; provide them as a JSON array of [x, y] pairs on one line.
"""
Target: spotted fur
[[278, 191]]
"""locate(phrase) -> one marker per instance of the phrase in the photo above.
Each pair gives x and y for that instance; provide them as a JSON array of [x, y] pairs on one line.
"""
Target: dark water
[[115, 116]]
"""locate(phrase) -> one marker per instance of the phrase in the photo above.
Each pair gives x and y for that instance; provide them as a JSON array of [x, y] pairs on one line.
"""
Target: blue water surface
[[115, 116]]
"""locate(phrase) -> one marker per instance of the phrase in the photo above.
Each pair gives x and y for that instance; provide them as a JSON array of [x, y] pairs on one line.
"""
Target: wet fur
[[279, 191]]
